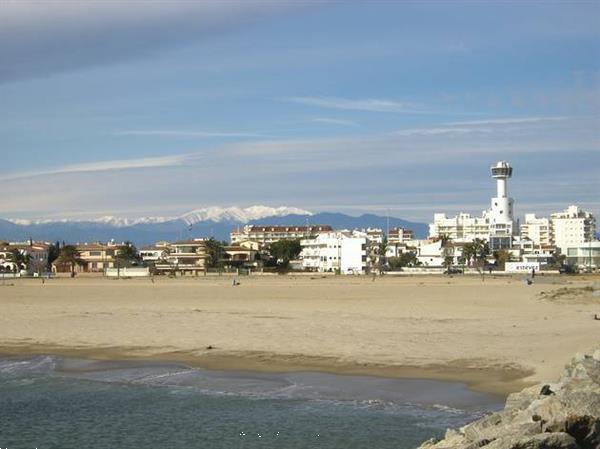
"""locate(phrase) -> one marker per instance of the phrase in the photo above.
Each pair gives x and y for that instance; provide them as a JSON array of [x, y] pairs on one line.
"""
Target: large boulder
[[563, 415]]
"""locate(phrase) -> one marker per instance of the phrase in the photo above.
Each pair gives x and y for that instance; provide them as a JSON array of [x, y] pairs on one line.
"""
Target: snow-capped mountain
[[215, 222], [214, 214], [240, 215]]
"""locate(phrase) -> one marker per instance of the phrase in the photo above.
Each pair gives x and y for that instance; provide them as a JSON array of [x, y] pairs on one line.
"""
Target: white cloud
[[124, 164], [414, 169], [368, 104], [437, 131], [182, 133], [508, 121], [335, 121]]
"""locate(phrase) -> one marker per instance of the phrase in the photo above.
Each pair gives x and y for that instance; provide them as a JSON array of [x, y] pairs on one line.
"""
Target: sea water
[[52, 402]]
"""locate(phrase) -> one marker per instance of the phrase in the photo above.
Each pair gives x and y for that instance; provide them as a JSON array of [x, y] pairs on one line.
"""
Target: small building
[[154, 253], [240, 256], [185, 257], [340, 251], [585, 256]]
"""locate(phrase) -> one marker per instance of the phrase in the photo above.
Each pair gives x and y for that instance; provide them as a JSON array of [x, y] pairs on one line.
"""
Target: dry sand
[[495, 335]]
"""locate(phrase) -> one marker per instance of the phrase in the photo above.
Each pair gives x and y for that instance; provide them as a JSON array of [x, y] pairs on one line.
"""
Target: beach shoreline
[[499, 380], [495, 336]]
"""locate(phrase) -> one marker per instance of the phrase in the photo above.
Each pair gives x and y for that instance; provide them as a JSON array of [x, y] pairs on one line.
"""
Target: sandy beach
[[495, 335]]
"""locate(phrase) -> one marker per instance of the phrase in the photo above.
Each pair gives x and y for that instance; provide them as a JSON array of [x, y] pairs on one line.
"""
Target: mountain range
[[215, 222]]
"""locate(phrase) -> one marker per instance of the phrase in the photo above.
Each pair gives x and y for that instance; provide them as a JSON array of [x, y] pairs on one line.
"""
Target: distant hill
[[202, 223]]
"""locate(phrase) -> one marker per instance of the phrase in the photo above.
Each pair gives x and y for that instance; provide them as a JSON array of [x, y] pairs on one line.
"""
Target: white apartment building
[[572, 227], [265, 235], [496, 225], [537, 230], [400, 235], [463, 227], [345, 251]]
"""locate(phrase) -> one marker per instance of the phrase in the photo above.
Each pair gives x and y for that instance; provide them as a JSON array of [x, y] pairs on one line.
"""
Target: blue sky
[[156, 108]]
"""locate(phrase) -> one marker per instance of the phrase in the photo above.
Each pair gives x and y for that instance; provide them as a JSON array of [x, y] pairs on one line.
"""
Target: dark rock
[[585, 430], [546, 390], [561, 415], [547, 441]]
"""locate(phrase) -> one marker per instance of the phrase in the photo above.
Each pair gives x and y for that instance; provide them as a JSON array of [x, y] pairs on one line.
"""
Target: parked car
[[453, 270]]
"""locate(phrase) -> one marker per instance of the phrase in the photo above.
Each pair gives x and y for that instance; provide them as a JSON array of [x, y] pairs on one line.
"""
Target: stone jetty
[[562, 415]]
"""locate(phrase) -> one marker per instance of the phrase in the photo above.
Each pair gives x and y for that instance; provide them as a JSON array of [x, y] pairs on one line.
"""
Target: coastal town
[[495, 241]]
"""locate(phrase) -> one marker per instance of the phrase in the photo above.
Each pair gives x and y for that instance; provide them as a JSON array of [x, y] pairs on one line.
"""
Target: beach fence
[[132, 272]]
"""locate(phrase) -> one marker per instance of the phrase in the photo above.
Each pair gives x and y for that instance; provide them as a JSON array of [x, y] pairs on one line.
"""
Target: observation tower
[[501, 211]]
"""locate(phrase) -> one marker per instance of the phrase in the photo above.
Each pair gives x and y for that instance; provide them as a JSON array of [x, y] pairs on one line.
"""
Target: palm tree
[[69, 255], [476, 251], [19, 259]]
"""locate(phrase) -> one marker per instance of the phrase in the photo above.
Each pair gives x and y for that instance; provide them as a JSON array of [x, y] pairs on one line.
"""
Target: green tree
[[20, 260], [285, 250], [53, 252], [406, 259], [216, 252], [558, 259], [126, 255], [501, 257], [69, 255], [381, 252], [476, 251], [448, 260]]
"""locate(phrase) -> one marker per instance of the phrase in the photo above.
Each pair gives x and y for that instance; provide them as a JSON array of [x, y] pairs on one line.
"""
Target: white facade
[[584, 256], [495, 225], [572, 227], [331, 251], [265, 235], [501, 209], [400, 236], [463, 227], [537, 230]]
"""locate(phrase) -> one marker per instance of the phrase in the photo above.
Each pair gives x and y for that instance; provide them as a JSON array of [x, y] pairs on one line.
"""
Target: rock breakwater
[[561, 415]]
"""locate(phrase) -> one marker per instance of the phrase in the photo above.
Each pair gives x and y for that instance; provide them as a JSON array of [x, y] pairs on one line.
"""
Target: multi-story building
[[537, 230], [35, 253], [496, 225], [94, 258], [462, 227], [572, 227], [336, 251], [185, 257], [265, 235], [400, 236]]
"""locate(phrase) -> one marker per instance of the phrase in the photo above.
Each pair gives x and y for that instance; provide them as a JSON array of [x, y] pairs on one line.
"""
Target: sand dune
[[494, 335]]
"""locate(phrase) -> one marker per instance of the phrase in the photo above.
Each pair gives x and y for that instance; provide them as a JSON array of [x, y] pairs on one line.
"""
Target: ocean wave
[[410, 396]]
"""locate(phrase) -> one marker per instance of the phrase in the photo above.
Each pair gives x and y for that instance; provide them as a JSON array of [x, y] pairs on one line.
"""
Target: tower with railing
[[501, 216]]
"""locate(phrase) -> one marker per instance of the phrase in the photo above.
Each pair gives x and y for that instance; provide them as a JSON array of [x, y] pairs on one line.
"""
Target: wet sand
[[495, 335]]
